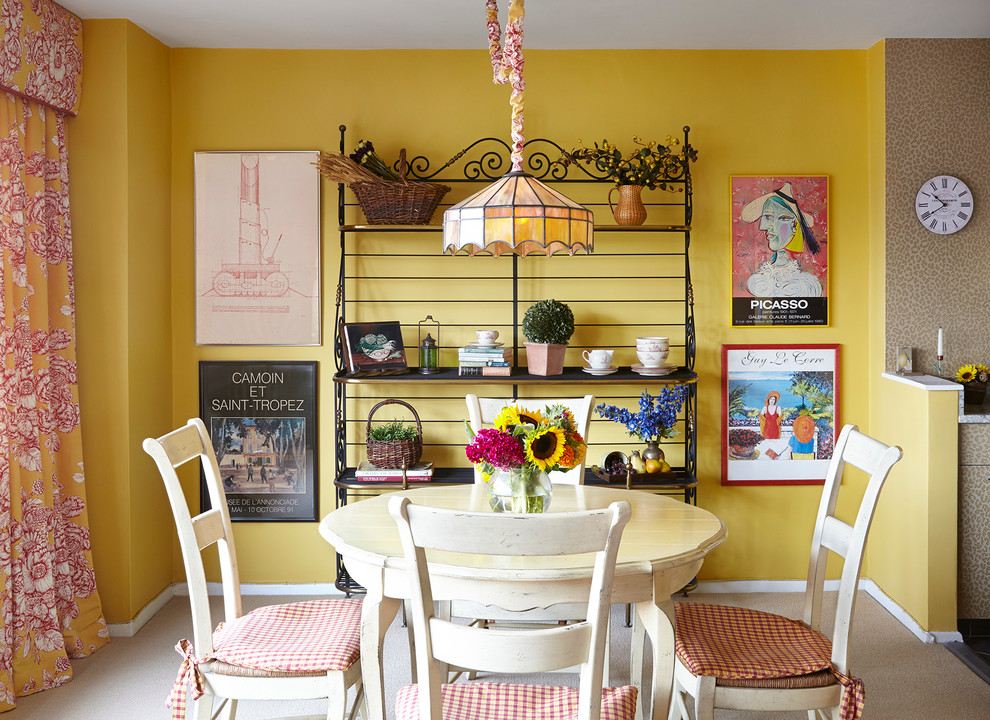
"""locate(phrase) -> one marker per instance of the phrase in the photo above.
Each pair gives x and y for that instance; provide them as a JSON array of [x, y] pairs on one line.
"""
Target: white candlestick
[[939, 342]]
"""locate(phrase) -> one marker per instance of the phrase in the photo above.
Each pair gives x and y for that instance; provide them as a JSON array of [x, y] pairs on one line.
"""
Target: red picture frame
[[780, 413]]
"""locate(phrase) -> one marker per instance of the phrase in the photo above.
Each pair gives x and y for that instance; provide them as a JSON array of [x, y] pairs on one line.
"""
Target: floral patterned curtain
[[49, 606]]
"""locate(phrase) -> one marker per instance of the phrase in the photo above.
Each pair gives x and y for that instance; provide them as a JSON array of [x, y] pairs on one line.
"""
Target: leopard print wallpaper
[[938, 123]]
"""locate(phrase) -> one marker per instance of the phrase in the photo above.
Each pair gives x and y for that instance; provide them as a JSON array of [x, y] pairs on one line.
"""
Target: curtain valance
[[41, 52]]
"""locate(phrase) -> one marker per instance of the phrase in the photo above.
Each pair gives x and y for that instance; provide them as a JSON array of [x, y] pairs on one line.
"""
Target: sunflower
[[965, 374], [545, 447], [511, 416], [580, 450]]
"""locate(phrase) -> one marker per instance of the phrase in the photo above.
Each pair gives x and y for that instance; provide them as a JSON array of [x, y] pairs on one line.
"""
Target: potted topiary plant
[[547, 325]]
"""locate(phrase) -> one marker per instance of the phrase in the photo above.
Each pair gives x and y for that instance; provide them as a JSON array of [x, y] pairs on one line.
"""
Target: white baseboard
[[866, 585], [129, 629], [906, 620], [328, 590], [759, 586]]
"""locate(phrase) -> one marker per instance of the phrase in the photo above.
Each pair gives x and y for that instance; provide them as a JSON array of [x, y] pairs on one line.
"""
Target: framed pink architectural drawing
[[780, 413], [780, 250], [257, 248]]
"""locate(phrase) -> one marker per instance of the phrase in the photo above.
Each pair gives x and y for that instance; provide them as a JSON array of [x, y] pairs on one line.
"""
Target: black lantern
[[429, 349]]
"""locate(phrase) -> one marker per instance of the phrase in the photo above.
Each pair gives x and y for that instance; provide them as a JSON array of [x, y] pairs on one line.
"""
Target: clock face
[[944, 204]]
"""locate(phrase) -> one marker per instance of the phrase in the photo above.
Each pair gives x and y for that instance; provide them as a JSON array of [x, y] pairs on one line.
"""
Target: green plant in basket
[[548, 321], [393, 432]]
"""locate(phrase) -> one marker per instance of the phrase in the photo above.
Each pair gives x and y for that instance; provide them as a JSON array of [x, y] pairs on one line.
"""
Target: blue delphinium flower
[[657, 416]]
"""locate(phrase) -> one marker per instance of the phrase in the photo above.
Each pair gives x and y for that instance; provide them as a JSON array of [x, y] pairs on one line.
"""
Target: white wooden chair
[[301, 650], [482, 411], [769, 662], [440, 642]]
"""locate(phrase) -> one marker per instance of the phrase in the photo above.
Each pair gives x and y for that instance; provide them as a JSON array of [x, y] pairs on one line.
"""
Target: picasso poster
[[779, 413], [257, 248], [779, 250]]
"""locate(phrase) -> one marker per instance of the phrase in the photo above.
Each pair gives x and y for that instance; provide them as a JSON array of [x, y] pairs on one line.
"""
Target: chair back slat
[[538, 650], [440, 641], [495, 534], [836, 535], [208, 527], [482, 412], [848, 541]]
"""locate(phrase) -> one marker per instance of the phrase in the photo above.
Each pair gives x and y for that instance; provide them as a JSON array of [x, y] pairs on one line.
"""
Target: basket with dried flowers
[[386, 198]]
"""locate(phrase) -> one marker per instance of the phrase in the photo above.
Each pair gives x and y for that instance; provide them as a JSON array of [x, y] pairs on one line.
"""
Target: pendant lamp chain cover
[[517, 213]]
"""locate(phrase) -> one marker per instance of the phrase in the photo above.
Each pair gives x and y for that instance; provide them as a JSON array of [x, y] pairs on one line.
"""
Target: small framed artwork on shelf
[[903, 360], [373, 348], [780, 413], [262, 421]]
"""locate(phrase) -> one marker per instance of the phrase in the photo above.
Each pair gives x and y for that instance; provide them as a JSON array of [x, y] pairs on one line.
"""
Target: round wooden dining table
[[662, 548]]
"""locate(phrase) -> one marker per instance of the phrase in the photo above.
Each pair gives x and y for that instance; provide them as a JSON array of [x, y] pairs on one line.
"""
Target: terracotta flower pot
[[544, 358]]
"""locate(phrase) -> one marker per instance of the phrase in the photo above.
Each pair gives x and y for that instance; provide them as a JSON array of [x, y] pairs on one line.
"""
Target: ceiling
[[550, 24]]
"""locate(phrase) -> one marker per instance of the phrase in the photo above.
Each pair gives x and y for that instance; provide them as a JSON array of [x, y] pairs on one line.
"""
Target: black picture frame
[[373, 348], [262, 419]]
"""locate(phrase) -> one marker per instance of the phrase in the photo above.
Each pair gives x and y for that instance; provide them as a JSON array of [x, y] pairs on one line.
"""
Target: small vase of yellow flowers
[[974, 379]]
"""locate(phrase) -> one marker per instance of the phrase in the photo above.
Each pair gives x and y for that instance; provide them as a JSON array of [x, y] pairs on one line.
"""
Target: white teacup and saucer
[[599, 362], [486, 339]]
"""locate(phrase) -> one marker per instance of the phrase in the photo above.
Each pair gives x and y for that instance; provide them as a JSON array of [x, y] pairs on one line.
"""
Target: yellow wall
[[119, 161], [913, 541], [743, 119], [751, 112]]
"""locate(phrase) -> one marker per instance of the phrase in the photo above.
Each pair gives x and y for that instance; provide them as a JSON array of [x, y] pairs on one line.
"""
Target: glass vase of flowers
[[655, 421], [974, 379], [515, 455]]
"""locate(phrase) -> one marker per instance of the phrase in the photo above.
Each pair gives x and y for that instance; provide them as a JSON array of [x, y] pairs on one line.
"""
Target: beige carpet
[[905, 678]]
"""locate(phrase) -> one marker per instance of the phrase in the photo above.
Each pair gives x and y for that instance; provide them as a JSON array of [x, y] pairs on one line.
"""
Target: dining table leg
[[377, 613], [657, 618]]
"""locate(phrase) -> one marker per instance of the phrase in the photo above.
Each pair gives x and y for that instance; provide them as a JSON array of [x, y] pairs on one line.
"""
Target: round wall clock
[[944, 204]]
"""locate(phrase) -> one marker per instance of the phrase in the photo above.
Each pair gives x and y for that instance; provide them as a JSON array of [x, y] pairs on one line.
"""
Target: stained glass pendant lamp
[[517, 213]]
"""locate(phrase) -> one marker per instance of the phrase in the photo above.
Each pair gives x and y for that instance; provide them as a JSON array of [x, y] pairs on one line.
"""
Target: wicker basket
[[393, 453], [398, 203]]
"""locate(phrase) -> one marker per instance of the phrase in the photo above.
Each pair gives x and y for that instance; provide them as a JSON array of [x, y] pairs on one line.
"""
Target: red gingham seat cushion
[[737, 644], [306, 638], [504, 701], [312, 636]]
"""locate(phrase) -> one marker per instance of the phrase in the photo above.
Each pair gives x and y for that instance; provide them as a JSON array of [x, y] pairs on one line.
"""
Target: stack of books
[[475, 360], [420, 472]]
